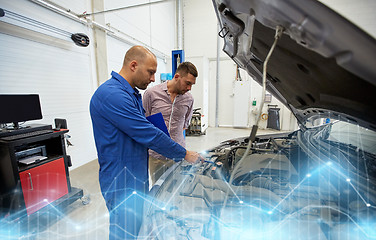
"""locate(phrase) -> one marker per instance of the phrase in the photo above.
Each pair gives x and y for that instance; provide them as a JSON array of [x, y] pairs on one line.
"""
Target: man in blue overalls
[[122, 137]]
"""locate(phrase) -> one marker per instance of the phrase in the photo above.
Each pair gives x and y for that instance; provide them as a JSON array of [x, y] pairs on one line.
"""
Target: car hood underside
[[323, 65]]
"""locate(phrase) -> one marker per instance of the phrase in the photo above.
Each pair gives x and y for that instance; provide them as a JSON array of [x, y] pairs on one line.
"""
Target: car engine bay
[[273, 191]]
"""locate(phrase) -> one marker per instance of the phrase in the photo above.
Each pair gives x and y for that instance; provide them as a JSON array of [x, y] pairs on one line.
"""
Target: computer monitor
[[17, 108]]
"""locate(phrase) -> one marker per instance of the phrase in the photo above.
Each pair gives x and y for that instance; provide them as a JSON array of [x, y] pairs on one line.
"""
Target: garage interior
[[40, 57]]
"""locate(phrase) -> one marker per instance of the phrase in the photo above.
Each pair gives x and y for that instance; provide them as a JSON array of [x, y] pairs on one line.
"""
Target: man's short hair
[[187, 67], [138, 53]]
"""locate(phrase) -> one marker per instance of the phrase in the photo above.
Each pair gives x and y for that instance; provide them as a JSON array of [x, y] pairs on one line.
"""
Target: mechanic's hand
[[193, 157]]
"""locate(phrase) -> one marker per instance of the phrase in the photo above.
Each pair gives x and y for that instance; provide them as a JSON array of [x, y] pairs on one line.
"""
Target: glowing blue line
[[152, 202], [123, 229], [62, 214], [178, 188], [300, 183], [296, 187], [348, 180], [337, 171], [126, 199], [358, 193], [283, 199], [317, 170], [267, 165], [335, 209], [229, 187], [114, 181]]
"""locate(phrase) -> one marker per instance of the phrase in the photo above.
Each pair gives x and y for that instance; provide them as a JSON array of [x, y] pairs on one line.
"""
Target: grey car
[[314, 183]]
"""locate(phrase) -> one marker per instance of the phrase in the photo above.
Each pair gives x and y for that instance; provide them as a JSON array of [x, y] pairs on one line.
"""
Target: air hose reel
[[80, 39]]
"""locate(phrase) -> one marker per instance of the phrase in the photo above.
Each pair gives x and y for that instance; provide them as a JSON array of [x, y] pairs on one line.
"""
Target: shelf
[[23, 167]]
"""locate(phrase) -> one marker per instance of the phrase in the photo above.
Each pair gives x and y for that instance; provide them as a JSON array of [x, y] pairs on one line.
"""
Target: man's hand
[[193, 157]]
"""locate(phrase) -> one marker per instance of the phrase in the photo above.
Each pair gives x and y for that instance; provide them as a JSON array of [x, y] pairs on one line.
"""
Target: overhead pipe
[[135, 41], [66, 13], [217, 78], [88, 22], [179, 24], [120, 8]]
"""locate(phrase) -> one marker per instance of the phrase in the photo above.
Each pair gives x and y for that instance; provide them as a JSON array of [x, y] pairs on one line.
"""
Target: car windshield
[[351, 134]]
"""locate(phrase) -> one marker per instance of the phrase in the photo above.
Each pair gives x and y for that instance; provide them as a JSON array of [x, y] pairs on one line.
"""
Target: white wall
[[52, 66], [200, 91], [200, 31], [227, 71], [116, 51], [200, 39], [153, 24], [63, 74]]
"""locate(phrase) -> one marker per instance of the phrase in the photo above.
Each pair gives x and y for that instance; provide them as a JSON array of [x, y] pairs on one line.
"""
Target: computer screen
[[17, 108]]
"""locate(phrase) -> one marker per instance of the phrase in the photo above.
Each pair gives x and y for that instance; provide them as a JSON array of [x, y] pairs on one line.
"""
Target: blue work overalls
[[122, 137]]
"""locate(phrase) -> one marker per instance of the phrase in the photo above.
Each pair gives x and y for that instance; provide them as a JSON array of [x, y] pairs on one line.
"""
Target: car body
[[314, 183]]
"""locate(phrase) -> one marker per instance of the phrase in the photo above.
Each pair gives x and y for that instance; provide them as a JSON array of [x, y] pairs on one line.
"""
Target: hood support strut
[[278, 34]]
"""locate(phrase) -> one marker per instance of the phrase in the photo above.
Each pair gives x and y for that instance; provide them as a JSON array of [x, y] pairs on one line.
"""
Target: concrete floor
[[91, 221]]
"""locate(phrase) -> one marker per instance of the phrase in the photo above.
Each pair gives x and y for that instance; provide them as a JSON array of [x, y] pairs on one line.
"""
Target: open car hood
[[323, 65]]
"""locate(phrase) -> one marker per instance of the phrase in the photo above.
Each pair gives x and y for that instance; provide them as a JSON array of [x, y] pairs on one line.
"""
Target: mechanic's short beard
[[144, 86], [181, 92]]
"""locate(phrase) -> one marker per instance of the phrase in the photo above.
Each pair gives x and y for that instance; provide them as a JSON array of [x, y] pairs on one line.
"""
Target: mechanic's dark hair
[[187, 67]]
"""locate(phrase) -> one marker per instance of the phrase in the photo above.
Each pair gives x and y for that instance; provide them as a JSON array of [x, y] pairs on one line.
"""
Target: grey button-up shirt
[[176, 115]]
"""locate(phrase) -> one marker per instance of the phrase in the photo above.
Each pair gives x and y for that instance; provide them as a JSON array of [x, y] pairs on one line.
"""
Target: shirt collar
[[125, 83], [164, 87]]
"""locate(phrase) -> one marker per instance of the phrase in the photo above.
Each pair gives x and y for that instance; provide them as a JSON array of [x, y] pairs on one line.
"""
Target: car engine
[[273, 191]]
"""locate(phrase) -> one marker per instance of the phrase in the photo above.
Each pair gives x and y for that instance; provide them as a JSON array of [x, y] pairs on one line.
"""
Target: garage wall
[[63, 74], [152, 24], [225, 90], [200, 31], [200, 38], [116, 50], [55, 68], [200, 91]]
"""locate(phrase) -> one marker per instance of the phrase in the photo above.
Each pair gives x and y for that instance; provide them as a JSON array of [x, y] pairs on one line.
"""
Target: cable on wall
[[80, 39]]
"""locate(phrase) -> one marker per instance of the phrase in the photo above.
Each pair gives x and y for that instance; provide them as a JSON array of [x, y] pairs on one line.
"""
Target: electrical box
[[177, 58], [242, 91]]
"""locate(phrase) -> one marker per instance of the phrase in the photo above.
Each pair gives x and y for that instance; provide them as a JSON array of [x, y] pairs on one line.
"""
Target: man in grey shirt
[[173, 100]]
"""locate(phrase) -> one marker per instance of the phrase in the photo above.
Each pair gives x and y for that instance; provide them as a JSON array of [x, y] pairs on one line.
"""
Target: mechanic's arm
[[127, 117]]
